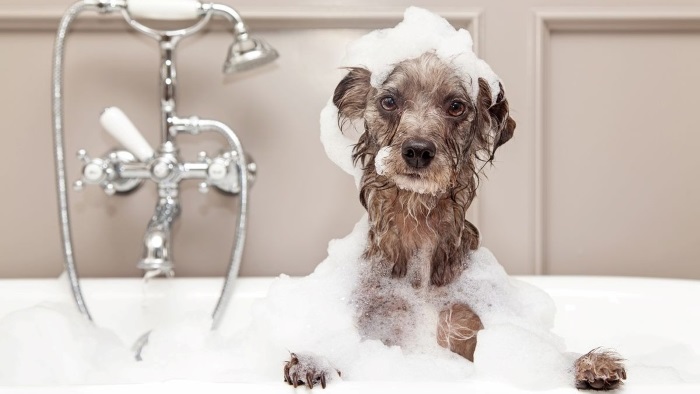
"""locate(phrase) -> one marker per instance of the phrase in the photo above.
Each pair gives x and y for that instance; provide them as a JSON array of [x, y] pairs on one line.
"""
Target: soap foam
[[380, 160], [53, 343], [420, 31]]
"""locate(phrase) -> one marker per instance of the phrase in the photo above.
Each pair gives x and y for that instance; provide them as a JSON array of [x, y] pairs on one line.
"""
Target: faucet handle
[[165, 9], [217, 169], [218, 172], [94, 170], [84, 157], [119, 126], [222, 172], [104, 172]]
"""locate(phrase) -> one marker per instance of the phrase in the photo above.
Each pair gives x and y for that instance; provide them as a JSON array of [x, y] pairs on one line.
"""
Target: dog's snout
[[418, 153]]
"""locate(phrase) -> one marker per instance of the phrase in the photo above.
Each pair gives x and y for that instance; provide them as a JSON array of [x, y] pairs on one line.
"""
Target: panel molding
[[549, 21]]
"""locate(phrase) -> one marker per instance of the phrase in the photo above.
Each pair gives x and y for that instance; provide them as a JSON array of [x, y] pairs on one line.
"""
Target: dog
[[424, 144]]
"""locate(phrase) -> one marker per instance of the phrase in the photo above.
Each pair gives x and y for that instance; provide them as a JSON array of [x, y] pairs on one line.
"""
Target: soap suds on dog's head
[[381, 50], [420, 31]]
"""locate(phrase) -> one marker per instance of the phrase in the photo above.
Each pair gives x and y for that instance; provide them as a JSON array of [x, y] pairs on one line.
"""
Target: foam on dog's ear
[[351, 93], [348, 103], [338, 146]]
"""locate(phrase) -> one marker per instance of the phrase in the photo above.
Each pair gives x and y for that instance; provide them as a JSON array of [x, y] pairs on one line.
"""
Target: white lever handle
[[164, 9], [120, 127]]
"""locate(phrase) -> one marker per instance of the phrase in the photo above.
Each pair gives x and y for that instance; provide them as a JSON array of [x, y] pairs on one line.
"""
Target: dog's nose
[[418, 153]]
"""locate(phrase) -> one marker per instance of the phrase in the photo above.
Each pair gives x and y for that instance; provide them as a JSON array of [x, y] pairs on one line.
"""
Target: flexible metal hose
[[59, 153], [239, 243]]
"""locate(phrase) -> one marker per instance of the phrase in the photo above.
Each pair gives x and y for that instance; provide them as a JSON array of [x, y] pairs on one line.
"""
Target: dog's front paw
[[599, 370], [308, 369]]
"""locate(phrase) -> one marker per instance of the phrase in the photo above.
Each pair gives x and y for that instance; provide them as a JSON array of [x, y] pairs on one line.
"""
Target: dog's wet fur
[[439, 140]]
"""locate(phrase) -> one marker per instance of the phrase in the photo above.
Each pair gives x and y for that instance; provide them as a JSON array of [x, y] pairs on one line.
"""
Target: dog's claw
[[310, 380], [287, 379]]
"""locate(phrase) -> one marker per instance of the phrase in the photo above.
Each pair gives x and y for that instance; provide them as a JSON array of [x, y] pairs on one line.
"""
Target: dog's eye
[[388, 103], [456, 108]]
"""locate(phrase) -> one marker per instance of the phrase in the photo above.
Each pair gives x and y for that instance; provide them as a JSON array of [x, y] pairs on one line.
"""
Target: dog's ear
[[500, 126], [351, 93]]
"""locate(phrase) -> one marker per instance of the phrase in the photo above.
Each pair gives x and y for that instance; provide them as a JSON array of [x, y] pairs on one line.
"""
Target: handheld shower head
[[247, 53]]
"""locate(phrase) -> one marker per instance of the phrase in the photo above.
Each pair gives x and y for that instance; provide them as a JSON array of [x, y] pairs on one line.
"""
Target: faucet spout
[[156, 259]]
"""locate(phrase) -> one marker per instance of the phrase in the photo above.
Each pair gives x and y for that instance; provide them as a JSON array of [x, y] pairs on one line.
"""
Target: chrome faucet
[[124, 170]]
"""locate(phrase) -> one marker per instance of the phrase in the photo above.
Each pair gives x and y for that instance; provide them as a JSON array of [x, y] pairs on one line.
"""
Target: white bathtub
[[652, 320]]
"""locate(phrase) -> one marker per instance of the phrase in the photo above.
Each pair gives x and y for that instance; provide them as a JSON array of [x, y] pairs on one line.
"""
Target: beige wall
[[601, 177]]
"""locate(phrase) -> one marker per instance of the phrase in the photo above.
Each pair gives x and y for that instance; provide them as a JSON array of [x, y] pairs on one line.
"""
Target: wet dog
[[424, 144]]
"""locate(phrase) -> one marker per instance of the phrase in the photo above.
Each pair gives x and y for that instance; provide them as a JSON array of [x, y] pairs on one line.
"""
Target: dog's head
[[423, 133]]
